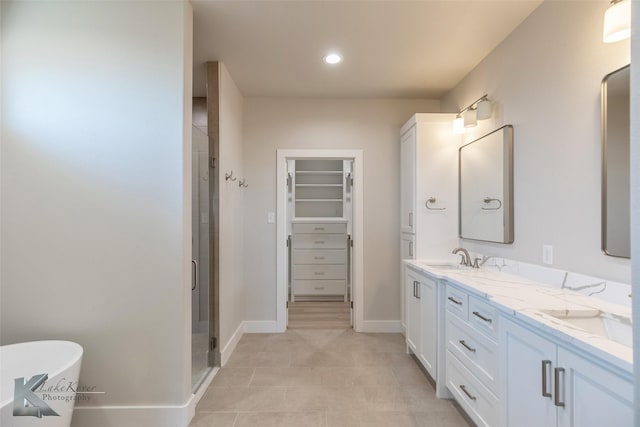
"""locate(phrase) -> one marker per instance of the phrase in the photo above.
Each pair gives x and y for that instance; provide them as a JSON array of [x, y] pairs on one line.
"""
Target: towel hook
[[432, 200], [488, 200], [229, 176], [243, 183]]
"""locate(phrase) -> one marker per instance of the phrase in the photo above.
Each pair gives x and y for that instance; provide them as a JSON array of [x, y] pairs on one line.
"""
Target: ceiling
[[391, 49]]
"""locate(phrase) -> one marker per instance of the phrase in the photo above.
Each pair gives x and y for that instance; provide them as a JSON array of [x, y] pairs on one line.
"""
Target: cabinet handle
[[469, 395], [319, 242], [465, 345], [486, 319], [318, 257], [453, 300], [418, 290], [319, 273], [546, 364], [556, 398], [319, 288], [410, 219], [319, 228], [410, 249], [414, 288]]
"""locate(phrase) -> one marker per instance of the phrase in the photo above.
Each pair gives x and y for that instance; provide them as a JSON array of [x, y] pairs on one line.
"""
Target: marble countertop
[[536, 304]]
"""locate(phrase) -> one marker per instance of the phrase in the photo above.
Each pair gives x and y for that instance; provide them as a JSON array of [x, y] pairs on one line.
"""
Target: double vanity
[[514, 352]]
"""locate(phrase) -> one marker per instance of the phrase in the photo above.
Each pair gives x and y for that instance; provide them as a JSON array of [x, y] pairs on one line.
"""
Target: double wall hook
[[229, 176], [243, 183]]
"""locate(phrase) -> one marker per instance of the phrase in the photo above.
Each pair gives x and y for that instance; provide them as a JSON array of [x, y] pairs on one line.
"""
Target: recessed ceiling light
[[333, 58]]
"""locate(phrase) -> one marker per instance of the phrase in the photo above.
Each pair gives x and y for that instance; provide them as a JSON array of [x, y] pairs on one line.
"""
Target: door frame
[[357, 284]]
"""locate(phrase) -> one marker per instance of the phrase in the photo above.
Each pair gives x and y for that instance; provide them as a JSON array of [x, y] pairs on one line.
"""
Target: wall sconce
[[617, 21], [469, 116]]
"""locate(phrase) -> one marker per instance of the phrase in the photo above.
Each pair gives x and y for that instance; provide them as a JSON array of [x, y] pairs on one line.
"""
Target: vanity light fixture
[[617, 21], [469, 116], [333, 58]]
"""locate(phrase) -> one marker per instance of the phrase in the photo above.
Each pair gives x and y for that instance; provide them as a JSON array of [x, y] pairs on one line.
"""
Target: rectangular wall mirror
[[616, 164], [485, 168]]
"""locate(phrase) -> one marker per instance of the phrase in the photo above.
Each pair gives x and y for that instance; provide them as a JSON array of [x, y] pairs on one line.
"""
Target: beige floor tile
[[281, 419], [370, 419], [214, 419], [322, 359], [409, 375], [258, 360], [357, 376], [247, 399], [422, 398], [291, 377], [385, 399], [445, 418], [232, 377], [346, 398], [306, 399]]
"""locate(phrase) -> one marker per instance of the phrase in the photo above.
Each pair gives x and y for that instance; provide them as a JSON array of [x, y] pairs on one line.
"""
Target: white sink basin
[[606, 325], [443, 265]]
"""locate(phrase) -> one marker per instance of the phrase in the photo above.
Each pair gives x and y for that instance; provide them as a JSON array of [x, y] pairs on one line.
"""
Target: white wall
[[545, 80], [232, 261], [96, 196], [367, 124]]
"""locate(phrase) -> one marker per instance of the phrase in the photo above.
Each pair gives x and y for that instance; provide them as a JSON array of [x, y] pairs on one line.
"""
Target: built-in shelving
[[319, 188]]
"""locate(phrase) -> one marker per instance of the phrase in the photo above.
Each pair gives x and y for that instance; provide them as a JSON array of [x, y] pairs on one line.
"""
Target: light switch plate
[[547, 254], [271, 217]]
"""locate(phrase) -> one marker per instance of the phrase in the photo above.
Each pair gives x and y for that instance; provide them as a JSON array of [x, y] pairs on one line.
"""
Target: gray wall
[[368, 124], [96, 191], [545, 80]]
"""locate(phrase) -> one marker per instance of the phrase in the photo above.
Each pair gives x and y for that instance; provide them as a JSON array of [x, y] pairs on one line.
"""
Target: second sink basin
[[606, 325], [443, 265]]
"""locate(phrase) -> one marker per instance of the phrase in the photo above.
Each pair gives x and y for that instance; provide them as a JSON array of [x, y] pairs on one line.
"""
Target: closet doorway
[[319, 239]]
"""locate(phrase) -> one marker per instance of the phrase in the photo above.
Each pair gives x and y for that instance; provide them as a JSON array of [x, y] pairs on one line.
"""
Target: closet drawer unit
[[320, 272], [475, 351], [480, 404], [483, 317], [457, 302], [315, 241], [329, 228], [319, 256], [319, 287]]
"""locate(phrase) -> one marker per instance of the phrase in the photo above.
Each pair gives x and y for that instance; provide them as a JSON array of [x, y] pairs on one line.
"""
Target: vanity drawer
[[306, 228], [483, 317], [476, 352], [319, 287], [478, 402], [457, 301], [319, 256], [319, 241], [320, 272]]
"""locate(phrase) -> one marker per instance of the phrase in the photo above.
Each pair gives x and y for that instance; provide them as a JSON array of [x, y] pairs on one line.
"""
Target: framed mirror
[[616, 164], [485, 168]]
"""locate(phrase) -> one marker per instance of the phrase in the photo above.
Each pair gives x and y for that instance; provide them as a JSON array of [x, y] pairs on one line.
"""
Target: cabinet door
[[407, 181], [428, 343], [592, 395], [412, 285], [527, 362], [408, 246]]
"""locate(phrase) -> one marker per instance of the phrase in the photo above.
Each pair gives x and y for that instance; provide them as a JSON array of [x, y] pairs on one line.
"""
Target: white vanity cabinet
[[421, 295], [472, 370], [546, 384]]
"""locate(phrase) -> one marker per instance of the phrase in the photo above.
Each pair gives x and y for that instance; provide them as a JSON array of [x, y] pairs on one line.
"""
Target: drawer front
[[483, 317], [319, 287], [478, 402], [308, 228], [476, 352], [320, 272], [319, 256], [457, 301], [319, 241]]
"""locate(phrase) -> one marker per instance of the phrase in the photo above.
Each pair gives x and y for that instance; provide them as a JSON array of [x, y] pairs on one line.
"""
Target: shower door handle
[[194, 279]]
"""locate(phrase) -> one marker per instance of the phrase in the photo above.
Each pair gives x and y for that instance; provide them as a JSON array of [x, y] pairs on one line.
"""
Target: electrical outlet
[[271, 217], [547, 254]]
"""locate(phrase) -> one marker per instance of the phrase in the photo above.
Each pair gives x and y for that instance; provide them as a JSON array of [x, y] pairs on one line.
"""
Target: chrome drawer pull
[[319, 288], [453, 300], [556, 398], [545, 364], [465, 345], [319, 228], [319, 273], [318, 257], [463, 388], [319, 242], [486, 319]]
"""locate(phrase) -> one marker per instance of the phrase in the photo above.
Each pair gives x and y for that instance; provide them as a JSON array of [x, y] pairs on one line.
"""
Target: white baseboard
[[226, 352], [388, 326], [261, 326]]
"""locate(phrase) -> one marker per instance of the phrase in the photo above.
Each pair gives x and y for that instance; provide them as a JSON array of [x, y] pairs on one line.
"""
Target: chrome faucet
[[466, 258]]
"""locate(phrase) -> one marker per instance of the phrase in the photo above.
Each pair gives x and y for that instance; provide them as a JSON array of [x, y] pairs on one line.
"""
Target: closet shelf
[[318, 200], [318, 185], [319, 172]]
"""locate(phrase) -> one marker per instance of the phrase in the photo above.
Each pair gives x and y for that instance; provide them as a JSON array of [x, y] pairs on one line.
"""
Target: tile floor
[[323, 377]]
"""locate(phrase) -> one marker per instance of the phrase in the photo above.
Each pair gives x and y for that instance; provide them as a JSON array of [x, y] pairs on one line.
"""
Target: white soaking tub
[[45, 375]]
